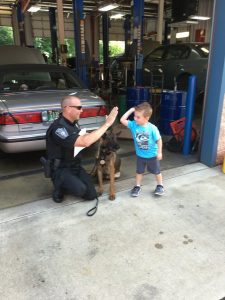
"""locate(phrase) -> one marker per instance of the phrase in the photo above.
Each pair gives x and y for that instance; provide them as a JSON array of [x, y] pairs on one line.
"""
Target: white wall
[[116, 31], [5, 20], [40, 21], [205, 9]]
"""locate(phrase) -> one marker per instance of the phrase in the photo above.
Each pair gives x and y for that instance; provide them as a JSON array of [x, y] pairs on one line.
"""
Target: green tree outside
[[115, 48], [44, 44], [6, 35], [70, 47]]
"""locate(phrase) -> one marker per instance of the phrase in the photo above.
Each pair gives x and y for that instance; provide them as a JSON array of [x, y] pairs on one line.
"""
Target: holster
[[55, 164], [50, 166], [47, 166]]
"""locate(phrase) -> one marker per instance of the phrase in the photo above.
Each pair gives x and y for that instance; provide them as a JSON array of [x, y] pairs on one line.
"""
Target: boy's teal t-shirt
[[145, 138]]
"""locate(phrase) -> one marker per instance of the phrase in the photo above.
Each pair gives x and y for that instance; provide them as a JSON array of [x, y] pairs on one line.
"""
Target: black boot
[[57, 196]]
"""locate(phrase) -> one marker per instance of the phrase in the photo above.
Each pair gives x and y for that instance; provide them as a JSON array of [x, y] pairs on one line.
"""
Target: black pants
[[75, 182]]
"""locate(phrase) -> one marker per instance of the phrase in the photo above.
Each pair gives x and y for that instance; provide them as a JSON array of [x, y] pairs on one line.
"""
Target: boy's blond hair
[[146, 108]]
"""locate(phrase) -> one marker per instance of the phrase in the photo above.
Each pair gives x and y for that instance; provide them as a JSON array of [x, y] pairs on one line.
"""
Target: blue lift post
[[53, 31], [20, 18], [215, 89], [138, 11], [127, 33], [105, 38], [190, 104], [79, 40]]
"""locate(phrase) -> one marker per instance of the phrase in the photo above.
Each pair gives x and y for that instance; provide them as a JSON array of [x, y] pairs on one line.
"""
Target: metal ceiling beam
[[150, 6]]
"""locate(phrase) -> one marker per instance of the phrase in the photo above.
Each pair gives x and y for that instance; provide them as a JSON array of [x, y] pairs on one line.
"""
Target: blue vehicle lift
[[79, 40], [138, 12]]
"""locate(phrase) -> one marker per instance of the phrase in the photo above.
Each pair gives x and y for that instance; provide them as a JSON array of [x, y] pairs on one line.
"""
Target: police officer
[[61, 138]]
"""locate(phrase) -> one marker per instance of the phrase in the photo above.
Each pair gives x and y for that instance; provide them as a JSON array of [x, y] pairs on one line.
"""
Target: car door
[[198, 64], [176, 62], [182, 61], [153, 64]]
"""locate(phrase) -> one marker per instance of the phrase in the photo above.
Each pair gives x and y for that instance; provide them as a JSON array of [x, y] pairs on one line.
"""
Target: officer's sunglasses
[[75, 106]]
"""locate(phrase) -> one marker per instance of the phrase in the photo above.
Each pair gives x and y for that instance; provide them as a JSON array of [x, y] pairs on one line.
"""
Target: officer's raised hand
[[90, 138], [112, 116]]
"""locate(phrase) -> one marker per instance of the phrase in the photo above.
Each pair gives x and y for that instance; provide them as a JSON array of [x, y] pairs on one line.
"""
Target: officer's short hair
[[66, 100]]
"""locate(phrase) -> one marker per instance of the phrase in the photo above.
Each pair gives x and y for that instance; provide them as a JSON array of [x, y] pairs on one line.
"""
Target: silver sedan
[[30, 100]]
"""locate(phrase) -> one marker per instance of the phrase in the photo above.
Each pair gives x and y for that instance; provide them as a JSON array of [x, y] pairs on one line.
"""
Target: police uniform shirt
[[64, 134]]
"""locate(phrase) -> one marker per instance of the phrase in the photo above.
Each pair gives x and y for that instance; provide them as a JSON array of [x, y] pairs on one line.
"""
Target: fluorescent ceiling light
[[205, 50], [184, 34], [117, 16], [199, 18], [34, 8], [108, 7], [191, 22]]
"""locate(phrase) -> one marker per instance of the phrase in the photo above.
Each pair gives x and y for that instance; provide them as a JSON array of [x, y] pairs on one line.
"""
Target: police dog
[[107, 163]]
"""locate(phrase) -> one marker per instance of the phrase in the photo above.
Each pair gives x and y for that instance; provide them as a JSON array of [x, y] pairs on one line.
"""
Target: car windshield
[[203, 49], [156, 54], [15, 81]]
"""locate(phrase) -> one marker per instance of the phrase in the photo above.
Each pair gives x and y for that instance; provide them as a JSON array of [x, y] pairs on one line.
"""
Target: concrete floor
[[32, 187], [133, 248]]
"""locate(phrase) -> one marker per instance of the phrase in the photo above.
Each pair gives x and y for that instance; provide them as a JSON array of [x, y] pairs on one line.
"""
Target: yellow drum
[[223, 167]]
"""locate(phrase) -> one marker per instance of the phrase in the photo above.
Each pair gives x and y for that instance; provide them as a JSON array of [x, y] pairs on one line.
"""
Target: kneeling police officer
[[62, 136]]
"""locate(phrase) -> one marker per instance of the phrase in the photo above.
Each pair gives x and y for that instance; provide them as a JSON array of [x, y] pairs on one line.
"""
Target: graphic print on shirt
[[142, 139]]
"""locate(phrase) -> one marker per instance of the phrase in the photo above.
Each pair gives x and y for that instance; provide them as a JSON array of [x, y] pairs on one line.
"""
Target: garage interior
[[32, 21], [145, 248]]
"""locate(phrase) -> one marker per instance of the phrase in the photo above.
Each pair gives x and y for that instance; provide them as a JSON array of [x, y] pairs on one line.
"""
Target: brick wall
[[221, 144]]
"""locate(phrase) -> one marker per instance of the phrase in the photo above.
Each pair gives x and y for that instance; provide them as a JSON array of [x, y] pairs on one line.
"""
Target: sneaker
[[135, 191], [159, 190]]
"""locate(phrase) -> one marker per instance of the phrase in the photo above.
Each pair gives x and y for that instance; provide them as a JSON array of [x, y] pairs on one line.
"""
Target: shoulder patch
[[62, 133]]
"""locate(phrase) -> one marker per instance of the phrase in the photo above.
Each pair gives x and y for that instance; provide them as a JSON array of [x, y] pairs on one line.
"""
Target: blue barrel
[[137, 95], [173, 107]]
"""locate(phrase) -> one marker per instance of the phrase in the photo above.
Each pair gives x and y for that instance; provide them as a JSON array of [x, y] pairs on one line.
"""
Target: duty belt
[[58, 163]]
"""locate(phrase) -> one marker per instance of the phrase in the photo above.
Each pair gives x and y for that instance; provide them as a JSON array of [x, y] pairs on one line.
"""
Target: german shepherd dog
[[107, 163]]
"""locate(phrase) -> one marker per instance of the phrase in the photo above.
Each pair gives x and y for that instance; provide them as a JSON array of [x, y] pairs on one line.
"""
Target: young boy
[[148, 145]]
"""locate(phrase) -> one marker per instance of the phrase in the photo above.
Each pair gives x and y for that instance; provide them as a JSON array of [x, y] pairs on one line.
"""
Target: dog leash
[[93, 210]]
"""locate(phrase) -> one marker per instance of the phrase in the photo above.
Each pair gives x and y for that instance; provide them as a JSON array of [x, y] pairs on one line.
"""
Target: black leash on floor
[[93, 210]]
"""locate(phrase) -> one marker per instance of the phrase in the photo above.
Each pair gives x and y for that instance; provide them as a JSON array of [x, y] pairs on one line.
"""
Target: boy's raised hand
[[131, 110], [124, 118]]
